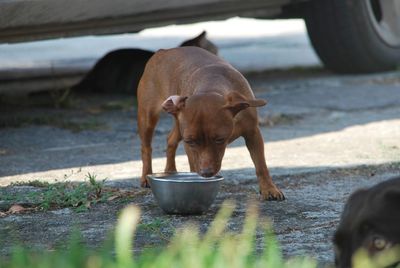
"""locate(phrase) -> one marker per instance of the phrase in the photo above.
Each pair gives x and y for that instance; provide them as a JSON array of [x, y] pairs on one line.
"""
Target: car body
[[350, 36], [27, 20]]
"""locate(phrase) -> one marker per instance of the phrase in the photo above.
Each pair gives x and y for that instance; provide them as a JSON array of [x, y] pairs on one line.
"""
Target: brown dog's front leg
[[173, 140], [146, 124], [191, 159], [255, 145]]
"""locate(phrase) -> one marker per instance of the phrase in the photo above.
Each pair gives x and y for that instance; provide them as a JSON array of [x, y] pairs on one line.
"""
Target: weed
[[62, 98], [35, 183], [153, 225], [159, 227], [78, 195]]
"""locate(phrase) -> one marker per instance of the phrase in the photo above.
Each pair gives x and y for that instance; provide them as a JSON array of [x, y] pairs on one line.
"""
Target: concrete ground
[[325, 136]]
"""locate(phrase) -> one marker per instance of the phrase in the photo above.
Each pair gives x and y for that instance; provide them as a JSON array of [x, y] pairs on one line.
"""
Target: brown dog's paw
[[144, 183], [272, 194]]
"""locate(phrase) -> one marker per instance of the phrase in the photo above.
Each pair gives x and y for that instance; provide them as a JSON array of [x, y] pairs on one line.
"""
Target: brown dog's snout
[[209, 163], [206, 172]]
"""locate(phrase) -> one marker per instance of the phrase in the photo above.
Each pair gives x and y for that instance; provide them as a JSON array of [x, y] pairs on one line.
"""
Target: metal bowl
[[184, 192]]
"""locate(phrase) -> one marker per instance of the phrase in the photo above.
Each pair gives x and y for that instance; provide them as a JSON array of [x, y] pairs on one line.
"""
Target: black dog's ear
[[392, 196], [198, 41], [201, 41], [354, 202]]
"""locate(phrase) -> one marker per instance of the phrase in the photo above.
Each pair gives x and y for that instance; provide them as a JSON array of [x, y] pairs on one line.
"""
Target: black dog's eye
[[380, 243], [376, 243]]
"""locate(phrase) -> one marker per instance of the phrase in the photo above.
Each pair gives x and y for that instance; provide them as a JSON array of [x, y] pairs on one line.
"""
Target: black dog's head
[[370, 220]]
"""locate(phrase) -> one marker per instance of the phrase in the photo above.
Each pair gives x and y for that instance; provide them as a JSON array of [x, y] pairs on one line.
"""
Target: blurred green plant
[[188, 248], [387, 258]]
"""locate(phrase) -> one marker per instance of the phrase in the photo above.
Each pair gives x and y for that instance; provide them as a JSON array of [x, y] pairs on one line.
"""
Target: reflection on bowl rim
[[191, 177]]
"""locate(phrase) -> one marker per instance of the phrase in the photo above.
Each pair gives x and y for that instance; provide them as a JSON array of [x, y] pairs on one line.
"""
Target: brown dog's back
[[191, 70]]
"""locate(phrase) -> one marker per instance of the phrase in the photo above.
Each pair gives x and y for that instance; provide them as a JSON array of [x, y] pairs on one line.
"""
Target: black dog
[[119, 71], [370, 220]]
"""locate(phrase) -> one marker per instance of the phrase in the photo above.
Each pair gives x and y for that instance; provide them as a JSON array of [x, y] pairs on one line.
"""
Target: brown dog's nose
[[206, 172]]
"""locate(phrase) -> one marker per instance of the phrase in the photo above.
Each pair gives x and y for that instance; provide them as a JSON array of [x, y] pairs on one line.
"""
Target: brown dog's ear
[[235, 102], [173, 104]]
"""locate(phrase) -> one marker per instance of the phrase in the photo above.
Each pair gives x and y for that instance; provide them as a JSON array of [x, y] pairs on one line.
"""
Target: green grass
[[78, 195], [159, 227], [34, 183]]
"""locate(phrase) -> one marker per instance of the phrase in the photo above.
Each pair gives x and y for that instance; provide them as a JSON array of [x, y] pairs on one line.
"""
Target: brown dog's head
[[370, 221], [206, 126], [201, 41]]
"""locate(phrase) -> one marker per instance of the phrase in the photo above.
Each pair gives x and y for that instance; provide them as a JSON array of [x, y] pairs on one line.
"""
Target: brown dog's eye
[[220, 141], [190, 142]]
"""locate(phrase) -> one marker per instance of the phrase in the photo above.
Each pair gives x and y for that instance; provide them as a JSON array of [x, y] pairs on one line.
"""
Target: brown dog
[[370, 221], [212, 104]]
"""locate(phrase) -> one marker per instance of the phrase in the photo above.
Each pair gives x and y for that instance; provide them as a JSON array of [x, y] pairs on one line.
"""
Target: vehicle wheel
[[355, 36]]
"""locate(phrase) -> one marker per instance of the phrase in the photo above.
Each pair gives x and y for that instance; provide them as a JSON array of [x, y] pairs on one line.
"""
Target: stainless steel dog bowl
[[184, 192]]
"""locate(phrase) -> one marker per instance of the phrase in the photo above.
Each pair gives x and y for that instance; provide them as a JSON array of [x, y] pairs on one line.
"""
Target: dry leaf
[[113, 197], [16, 209]]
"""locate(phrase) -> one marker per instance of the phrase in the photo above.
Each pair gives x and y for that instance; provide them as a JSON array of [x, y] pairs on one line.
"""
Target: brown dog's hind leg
[[173, 140], [255, 145], [147, 121]]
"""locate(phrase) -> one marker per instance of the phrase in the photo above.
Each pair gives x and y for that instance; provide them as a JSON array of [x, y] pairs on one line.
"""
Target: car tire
[[355, 36]]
